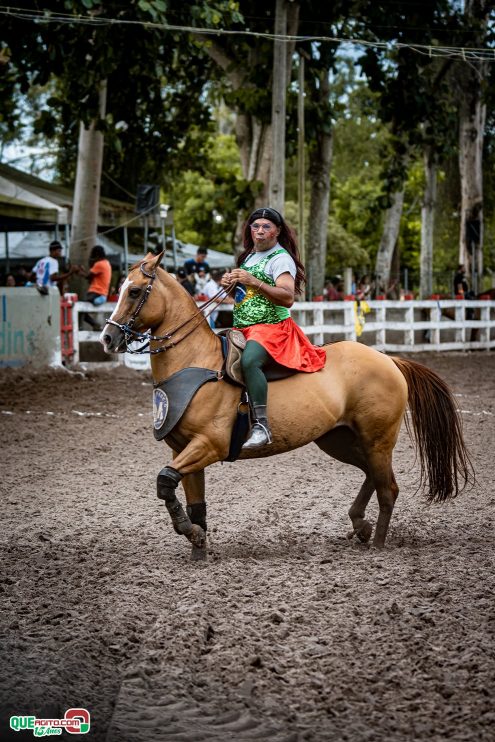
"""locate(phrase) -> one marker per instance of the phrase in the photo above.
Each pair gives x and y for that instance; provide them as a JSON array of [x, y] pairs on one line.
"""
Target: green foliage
[[344, 249], [206, 199], [163, 86], [157, 113]]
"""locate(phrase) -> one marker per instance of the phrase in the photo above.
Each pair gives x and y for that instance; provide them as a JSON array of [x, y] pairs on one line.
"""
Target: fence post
[[485, 331], [460, 316], [349, 321], [318, 322], [409, 334], [381, 333], [435, 316], [75, 333], [67, 302]]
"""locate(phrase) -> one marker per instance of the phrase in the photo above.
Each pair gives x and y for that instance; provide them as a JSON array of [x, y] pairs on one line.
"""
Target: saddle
[[234, 342]]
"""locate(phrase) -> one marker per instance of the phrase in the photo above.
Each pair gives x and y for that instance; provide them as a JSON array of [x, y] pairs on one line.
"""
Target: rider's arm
[[282, 294]]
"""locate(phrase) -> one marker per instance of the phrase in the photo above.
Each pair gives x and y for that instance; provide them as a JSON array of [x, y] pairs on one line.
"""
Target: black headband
[[266, 213]]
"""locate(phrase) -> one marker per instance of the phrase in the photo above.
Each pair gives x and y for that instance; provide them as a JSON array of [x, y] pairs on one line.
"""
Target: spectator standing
[[193, 265], [461, 287], [201, 279], [330, 292], [186, 281], [364, 288], [10, 280], [100, 277], [211, 288], [47, 271]]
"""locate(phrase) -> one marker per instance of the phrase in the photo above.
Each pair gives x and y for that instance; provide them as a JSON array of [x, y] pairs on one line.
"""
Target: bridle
[[131, 335]]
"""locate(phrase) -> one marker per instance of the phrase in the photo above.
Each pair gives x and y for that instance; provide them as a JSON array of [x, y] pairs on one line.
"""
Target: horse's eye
[[134, 292]]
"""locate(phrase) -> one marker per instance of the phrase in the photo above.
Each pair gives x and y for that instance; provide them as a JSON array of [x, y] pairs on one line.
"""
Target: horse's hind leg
[[386, 491], [343, 444], [362, 528]]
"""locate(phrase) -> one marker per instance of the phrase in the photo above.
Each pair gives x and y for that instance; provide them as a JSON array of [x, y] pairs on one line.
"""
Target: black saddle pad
[[275, 372]]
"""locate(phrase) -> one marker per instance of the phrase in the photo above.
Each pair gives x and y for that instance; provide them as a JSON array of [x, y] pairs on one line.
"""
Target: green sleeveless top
[[251, 307]]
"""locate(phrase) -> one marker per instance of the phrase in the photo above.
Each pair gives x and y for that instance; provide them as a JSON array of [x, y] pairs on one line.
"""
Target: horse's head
[[138, 308]]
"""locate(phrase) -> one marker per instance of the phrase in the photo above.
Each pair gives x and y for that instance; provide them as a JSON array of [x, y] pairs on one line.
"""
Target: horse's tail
[[437, 429]]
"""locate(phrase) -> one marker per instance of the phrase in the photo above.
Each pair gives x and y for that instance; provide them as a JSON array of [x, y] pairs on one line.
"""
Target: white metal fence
[[389, 326]]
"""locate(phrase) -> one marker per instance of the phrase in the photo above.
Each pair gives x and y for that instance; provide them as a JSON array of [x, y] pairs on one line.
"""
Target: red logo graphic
[[81, 723]]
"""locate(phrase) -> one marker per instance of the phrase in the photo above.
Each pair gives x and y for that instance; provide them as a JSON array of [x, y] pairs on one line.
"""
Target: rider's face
[[264, 233]]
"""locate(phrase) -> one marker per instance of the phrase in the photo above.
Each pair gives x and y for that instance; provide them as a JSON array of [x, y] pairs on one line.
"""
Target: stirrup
[[260, 436]]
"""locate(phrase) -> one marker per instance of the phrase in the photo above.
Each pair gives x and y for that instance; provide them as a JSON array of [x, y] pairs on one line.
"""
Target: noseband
[[131, 335]]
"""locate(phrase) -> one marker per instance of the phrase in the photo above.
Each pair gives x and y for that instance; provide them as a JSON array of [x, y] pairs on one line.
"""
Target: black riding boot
[[261, 435]]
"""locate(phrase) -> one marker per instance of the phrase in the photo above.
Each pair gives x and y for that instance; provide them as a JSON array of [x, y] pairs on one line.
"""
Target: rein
[[131, 335]]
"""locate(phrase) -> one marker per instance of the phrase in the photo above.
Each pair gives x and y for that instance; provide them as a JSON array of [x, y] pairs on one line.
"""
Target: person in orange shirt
[[100, 277]]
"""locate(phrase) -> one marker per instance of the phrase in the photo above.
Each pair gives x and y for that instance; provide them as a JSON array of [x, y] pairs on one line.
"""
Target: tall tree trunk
[[87, 189], [472, 115], [254, 139], [254, 136], [471, 131], [427, 225], [388, 241], [279, 94], [320, 163]]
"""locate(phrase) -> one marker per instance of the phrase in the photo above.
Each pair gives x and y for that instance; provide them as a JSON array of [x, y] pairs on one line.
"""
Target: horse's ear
[[154, 260]]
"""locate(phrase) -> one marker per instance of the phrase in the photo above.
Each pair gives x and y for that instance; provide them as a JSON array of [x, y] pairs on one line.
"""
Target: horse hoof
[[198, 554], [364, 533], [351, 535], [197, 536]]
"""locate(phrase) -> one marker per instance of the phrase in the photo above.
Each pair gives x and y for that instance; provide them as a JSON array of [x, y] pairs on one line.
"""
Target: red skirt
[[288, 345]]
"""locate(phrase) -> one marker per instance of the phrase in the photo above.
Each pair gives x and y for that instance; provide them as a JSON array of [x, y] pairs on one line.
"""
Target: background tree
[[167, 92], [472, 79]]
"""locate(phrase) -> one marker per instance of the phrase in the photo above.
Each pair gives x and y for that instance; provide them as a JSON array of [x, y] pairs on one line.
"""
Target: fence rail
[[389, 326]]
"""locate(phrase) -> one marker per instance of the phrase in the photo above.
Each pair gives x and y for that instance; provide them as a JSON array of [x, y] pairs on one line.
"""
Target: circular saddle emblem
[[160, 408]]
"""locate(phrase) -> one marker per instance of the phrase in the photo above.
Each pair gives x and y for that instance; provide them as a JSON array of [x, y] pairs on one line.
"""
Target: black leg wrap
[[168, 479], [166, 484], [197, 514]]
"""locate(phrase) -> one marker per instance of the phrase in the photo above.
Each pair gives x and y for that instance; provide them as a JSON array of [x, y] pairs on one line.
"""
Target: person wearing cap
[[267, 278], [47, 273], [185, 281]]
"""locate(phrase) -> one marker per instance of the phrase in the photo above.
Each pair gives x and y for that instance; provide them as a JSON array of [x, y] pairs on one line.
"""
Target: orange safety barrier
[[66, 326]]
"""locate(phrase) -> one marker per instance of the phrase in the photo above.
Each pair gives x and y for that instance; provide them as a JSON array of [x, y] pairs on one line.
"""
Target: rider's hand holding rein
[[283, 293]]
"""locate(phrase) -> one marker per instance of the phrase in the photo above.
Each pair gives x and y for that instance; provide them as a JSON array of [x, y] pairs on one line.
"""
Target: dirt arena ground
[[289, 632]]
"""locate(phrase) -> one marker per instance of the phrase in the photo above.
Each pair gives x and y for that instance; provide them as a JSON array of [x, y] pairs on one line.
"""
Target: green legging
[[254, 357]]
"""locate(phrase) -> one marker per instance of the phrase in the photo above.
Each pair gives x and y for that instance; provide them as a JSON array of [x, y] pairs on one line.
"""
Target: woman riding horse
[[352, 408], [268, 276]]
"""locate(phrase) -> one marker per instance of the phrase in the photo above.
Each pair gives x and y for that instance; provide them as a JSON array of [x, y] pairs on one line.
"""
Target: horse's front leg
[[192, 524], [194, 487]]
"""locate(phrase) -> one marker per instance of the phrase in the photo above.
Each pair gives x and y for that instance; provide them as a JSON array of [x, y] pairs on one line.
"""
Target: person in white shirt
[[200, 280], [46, 272], [211, 288]]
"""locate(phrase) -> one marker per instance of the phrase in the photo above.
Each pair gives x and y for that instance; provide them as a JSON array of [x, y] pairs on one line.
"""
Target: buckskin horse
[[352, 408]]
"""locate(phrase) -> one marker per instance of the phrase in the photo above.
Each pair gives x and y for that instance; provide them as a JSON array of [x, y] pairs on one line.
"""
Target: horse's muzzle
[[113, 339]]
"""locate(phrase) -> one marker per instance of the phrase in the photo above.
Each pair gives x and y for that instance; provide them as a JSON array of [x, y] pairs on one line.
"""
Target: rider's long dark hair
[[286, 238]]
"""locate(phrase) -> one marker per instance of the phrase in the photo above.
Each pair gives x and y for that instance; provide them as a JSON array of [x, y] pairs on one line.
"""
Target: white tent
[[34, 212], [29, 246]]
